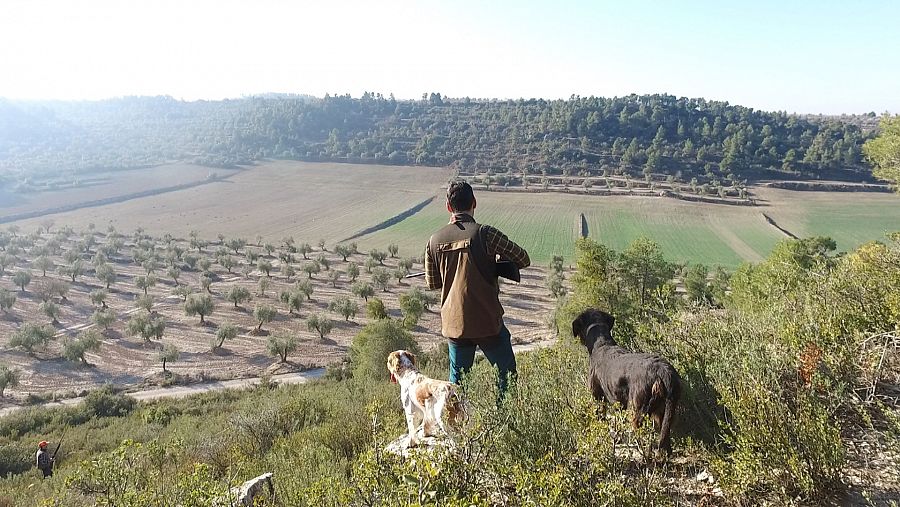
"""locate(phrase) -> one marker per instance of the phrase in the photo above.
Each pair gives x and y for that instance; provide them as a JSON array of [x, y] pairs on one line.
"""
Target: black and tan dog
[[646, 383]]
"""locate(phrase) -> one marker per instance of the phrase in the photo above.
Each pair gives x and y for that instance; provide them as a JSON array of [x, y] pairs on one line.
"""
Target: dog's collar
[[587, 330]]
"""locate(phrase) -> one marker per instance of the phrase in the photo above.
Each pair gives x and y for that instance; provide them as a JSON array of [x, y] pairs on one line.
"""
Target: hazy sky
[[799, 56]]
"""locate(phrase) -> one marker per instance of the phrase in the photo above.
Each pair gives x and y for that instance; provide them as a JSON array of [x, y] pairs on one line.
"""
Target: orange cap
[[43, 444]]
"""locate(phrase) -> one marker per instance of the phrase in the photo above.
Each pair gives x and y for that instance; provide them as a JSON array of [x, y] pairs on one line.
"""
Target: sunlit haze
[[804, 56]]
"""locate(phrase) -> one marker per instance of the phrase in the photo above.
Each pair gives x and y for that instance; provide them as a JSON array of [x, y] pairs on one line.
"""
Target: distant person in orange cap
[[44, 460]]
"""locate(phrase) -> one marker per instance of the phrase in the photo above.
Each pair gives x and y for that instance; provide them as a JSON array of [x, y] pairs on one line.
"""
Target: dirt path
[[182, 391]]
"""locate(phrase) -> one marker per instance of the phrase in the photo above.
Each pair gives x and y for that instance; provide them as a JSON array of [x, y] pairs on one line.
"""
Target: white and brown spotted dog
[[424, 397]]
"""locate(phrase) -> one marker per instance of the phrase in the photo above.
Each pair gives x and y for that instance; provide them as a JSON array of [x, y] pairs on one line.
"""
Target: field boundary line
[[109, 200], [774, 224], [394, 220]]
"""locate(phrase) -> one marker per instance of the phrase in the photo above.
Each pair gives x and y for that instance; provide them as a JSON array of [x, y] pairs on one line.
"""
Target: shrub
[[371, 346], [106, 402], [375, 309]]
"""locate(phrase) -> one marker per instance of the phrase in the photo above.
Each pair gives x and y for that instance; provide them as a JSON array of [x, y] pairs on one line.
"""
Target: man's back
[[460, 260]]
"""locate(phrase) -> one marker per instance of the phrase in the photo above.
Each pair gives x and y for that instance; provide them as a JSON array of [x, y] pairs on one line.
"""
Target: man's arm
[[499, 244], [432, 270]]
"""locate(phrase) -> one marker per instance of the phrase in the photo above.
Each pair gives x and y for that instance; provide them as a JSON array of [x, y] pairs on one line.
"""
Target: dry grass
[[274, 199]]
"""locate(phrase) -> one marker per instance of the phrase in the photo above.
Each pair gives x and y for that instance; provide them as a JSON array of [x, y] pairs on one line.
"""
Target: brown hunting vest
[[470, 303]]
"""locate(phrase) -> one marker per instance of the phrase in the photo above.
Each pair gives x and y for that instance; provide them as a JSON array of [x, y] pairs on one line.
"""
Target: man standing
[[460, 260], [43, 460]]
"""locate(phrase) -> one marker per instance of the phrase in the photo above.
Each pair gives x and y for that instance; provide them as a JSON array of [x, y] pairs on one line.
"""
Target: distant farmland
[[545, 224], [337, 201], [274, 199], [692, 232]]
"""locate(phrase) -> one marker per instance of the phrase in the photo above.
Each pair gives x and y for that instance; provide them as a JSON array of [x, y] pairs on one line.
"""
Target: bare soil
[[130, 361]]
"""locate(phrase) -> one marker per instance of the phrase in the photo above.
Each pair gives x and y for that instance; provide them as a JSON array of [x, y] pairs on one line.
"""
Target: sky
[[800, 56]]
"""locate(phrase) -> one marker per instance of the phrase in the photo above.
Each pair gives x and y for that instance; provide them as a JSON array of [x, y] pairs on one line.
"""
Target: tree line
[[662, 134]]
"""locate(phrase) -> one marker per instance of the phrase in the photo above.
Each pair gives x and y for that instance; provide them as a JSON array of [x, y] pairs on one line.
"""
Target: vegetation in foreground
[[790, 368]]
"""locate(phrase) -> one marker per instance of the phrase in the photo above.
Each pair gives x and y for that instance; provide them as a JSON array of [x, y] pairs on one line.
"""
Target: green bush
[[370, 348], [106, 402]]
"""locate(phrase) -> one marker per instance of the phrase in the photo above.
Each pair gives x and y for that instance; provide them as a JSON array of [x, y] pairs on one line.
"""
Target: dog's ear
[[412, 358], [392, 361], [578, 325]]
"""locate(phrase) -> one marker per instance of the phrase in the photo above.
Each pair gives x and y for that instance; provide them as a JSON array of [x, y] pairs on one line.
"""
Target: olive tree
[[282, 344], [237, 295], [292, 299], [22, 279], [52, 310], [9, 377], [7, 300], [103, 318], [378, 256], [342, 305], [30, 336], [146, 326], [381, 279], [168, 354], [343, 251], [184, 291], [44, 264], [145, 282], [106, 274], [86, 341], [319, 323], [352, 271], [363, 290], [201, 305], [226, 331], [264, 314]]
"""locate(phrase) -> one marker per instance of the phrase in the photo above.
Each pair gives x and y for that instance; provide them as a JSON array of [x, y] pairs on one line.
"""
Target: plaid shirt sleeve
[[499, 244], [432, 270]]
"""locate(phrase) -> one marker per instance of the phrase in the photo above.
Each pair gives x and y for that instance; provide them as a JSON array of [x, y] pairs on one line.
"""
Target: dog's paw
[[413, 442]]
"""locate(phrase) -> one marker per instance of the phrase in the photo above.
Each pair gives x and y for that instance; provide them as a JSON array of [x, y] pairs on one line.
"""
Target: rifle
[[58, 445], [502, 269]]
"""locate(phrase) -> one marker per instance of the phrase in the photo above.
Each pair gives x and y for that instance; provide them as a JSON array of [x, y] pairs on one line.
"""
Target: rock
[[400, 446], [248, 491]]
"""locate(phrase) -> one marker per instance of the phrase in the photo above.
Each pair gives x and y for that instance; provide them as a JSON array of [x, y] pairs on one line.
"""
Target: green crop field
[[850, 218], [687, 232]]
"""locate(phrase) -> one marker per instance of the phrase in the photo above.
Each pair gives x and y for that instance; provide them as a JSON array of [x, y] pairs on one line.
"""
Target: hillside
[[790, 371], [688, 139]]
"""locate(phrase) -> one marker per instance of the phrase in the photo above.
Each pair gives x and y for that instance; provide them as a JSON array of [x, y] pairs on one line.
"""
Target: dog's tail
[[672, 393], [457, 409]]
